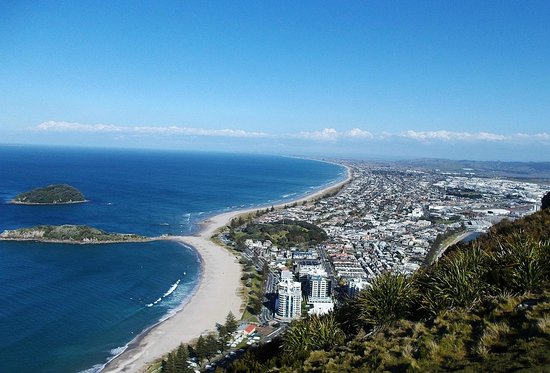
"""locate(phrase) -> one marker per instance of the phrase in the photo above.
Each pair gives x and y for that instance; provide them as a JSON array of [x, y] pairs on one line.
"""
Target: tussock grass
[[492, 334], [543, 324]]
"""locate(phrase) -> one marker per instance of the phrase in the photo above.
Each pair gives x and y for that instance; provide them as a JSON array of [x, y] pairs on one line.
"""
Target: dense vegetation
[[52, 194], [485, 306], [203, 349], [71, 233], [284, 233], [253, 280]]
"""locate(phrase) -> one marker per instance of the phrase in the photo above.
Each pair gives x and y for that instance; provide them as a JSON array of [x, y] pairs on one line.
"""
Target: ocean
[[70, 308]]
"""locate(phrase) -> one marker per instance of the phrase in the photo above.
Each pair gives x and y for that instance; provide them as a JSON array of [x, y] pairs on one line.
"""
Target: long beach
[[217, 293]]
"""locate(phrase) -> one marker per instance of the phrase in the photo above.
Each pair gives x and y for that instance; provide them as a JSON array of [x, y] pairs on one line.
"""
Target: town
[[386, 218]]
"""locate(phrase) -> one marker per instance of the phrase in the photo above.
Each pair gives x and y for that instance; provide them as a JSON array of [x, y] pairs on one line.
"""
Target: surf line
[[170, 291]]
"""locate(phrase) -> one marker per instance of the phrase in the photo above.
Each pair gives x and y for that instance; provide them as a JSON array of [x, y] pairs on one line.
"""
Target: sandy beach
[[216, 295]]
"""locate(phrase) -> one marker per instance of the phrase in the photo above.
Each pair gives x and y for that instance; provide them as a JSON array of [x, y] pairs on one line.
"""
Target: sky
[[355, 79]]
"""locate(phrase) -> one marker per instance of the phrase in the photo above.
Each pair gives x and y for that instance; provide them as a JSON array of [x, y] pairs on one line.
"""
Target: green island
[[81, 234], [50, 195]]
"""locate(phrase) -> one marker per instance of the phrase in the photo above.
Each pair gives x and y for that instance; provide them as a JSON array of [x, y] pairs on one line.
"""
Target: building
[[289, 300], [305, 267], [286, 275], [320, 306], [318, 285], [356, 285]]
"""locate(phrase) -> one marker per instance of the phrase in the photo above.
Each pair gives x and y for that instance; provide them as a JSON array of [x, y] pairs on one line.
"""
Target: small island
[[50, 195], [74, 234]]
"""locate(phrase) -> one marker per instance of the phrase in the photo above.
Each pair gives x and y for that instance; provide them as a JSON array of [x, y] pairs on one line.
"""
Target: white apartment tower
[[290, 300], [318, 286]]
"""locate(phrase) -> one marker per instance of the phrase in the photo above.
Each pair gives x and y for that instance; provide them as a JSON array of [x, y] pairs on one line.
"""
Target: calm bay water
[[68, 308]]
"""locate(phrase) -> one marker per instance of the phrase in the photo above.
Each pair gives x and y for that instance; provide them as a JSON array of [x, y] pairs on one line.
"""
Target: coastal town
[[383, 219]]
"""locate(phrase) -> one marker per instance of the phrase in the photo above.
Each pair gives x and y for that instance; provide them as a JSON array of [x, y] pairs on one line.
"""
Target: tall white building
[[317, 285], [318, 292], [289, 300]]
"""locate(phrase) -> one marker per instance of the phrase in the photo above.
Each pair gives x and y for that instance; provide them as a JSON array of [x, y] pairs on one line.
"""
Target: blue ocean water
[[68, 308]]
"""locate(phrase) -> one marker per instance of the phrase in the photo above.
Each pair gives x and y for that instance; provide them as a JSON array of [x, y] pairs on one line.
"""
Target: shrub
[[312, 333], [389, 298], [456, 281], [521, 263]]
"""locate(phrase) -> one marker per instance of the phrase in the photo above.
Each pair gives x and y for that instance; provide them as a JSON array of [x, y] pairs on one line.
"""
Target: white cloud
[[537, 136], [443, 135], [359, 133], [77, 127], [326, 134], [331, 134], [146, 130]]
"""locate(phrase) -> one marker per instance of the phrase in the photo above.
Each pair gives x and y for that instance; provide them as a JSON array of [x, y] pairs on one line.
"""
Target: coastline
[[14, 202], [73, 242], [216, 294]]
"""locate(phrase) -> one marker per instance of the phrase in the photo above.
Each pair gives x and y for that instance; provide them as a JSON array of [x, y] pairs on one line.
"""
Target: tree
[[169, 365], [545, 201], [230, 323], [182, 355], [201, 349], [265, 271], [211, 346], [255, 303], [223, 336]]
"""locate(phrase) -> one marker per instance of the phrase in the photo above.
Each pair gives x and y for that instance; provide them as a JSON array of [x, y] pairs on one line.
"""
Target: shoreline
[[217, 293], [14, 202], [72, 242]]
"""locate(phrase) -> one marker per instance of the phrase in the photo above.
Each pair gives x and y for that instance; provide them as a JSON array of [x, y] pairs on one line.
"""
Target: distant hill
[[520, 170], [50, 195]]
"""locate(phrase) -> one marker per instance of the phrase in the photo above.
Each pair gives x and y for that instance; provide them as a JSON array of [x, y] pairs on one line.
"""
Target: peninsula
[[50, 195], [79, 234]]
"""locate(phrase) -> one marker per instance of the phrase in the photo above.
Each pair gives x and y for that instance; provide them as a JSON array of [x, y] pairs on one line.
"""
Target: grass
[[543, 324], [492, 334], [247, 316]]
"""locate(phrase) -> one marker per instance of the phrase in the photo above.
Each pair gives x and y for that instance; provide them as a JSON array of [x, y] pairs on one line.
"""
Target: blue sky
[[451, 79]]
